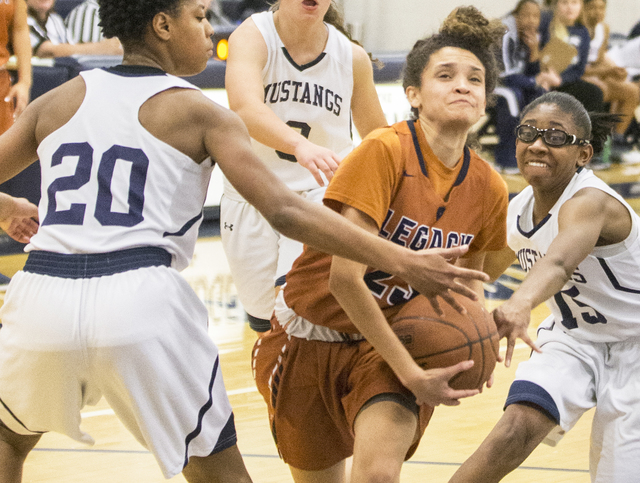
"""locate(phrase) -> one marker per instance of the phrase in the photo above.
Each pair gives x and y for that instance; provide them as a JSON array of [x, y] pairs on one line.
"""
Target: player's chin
[[194, 68]]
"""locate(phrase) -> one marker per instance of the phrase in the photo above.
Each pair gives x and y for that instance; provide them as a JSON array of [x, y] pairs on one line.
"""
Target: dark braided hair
[[465, 28], [129, 19], [594, 126]]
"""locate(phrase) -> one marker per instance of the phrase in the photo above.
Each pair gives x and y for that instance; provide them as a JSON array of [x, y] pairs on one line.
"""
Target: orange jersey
[[416, 201], [6, 23]]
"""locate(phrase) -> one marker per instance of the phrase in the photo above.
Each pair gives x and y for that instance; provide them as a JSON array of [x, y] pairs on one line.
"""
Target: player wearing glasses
[[578, 241]]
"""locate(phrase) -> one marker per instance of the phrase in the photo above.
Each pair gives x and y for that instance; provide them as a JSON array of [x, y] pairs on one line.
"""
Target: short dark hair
[[129, 19], [465, 28], [594, 126]]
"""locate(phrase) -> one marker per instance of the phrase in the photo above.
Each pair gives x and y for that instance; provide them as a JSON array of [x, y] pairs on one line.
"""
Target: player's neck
[[143, 59], [446, 144], [305, 39]]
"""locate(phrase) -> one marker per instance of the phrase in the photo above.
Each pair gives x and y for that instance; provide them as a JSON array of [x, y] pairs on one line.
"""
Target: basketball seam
[[469, 343]]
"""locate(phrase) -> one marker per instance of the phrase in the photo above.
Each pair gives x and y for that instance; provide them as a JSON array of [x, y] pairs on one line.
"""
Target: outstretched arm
[[243, 80], [227, 141], [591, 215]]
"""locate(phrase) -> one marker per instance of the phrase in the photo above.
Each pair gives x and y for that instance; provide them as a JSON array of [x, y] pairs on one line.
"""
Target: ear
[[584, 155], [161, 25], [413, 96]]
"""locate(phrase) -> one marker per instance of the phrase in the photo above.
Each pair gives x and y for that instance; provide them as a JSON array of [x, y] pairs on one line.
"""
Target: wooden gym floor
[[451, 437]]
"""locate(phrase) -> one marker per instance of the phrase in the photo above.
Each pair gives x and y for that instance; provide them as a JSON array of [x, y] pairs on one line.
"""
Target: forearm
[[267, 128], [7, 204], [327, 231], [546, 278], [358, 303], [22, 50]]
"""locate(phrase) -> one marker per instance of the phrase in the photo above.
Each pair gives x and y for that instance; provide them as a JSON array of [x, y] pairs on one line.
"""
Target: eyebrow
[[553, 124], [454, 64]]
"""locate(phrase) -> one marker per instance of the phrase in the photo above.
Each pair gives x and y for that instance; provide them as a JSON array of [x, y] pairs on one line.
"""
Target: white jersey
[[314, 99], [118, 187], [601, 301]]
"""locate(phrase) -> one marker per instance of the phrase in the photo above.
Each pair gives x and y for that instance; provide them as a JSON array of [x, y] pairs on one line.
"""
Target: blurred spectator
[[249, 7], [635, 31], [563, 24], [622, 95], [522, 81], [214, 15], [82, 23], [49, 34]]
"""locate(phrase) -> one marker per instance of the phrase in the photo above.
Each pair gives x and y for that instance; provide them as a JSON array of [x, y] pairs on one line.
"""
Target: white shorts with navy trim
[[574, 376], [139, 338], [258, 255]]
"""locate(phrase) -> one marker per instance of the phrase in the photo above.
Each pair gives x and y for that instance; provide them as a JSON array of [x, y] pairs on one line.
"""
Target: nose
[[538, 145], [209, 30], [462, 85]]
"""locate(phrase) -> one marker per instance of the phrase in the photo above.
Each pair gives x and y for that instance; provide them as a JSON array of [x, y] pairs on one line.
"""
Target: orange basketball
[[444, 340]]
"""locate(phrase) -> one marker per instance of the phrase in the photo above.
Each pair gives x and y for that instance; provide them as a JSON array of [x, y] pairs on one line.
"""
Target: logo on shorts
[[228, 227]]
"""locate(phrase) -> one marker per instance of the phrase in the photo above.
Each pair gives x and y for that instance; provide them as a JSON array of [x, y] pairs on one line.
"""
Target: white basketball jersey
[[601, 302], [314, 99], [108, 184]]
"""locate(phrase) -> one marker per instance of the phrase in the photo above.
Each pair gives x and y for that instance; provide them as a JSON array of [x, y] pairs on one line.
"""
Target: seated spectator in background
[[622, 95], [522, 80], [563, 23], [82, 23], [49, 34]]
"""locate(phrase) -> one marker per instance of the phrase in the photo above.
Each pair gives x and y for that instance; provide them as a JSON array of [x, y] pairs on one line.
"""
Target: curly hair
[[594, 126], [465, 28], [128, 19]]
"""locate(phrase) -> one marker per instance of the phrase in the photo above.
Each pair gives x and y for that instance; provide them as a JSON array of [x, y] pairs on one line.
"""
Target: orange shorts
[[314, 391]]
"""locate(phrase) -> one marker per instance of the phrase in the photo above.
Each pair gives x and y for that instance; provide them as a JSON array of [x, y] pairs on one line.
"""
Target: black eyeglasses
[[551, 137]]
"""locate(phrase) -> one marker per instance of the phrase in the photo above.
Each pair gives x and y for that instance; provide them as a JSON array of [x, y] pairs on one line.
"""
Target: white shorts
[[139, 338], [258, 255], [577, 376]]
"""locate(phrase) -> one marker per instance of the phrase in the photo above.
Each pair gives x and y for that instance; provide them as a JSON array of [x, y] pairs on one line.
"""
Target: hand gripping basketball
[[436, 341]]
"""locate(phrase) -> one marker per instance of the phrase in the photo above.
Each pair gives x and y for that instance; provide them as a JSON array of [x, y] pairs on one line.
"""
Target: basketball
[[444, 340]]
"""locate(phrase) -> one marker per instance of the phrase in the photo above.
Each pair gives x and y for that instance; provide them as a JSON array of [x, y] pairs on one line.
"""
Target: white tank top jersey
[[314, 99], [601, 301], [108, 184]]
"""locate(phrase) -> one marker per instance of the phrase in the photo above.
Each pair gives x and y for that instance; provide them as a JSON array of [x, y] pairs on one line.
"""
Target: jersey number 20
[[84, 153]]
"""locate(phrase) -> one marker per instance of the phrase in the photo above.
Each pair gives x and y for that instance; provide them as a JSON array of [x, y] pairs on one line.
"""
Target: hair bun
[[468, 22]]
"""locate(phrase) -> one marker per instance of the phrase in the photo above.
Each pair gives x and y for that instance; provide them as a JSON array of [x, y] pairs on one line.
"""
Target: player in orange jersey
[[330, 392]]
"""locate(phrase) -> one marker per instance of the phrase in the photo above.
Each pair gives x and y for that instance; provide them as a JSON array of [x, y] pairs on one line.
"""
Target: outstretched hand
[[432, 386], [512, 321], [18, 218], [434, 276], [317, 160]]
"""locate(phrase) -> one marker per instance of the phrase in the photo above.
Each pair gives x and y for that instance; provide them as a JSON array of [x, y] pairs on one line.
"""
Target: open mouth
[[310, 3]]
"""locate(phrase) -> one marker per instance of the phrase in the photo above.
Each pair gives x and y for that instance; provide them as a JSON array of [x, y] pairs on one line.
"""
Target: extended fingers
[[456, 395]]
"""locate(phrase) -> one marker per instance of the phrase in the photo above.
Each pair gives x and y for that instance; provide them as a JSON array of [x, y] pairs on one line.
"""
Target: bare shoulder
[[247, 35], [184, 118], [55, 108]]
